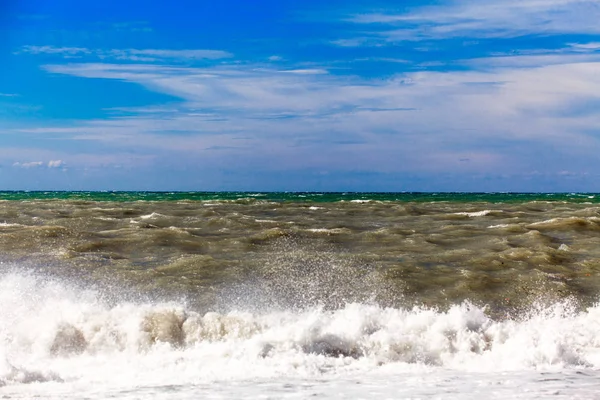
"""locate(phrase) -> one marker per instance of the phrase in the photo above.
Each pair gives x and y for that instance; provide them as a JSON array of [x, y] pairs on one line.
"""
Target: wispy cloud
[[428, 119], [373, 41], [250, 90], [68, 52], [31, 164], [585, 47], [146, 55], [77, 160], [168, 54], [55, 163], [39, 164], [480, 19], [543, 58]]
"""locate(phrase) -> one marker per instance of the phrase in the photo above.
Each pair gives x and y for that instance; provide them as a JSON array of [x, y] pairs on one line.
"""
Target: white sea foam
[[8, 225], [106, 218], [55, 340], [154, 215], [476, 213], [329, 231], [498, 226], [564, 247]]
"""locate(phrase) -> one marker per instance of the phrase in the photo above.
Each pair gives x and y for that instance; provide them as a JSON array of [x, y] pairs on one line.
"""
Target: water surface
[[298, 294]]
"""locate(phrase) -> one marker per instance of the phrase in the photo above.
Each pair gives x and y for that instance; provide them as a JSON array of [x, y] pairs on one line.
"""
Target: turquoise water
[[317, 197]]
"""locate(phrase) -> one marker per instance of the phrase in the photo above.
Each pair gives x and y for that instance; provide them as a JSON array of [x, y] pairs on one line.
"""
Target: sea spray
[[46, 325]]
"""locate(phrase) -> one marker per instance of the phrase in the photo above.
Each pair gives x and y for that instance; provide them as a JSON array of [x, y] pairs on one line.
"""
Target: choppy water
[[234, 295]]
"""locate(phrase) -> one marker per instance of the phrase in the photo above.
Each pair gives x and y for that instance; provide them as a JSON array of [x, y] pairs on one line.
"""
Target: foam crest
[[482, 213], [49, 331]]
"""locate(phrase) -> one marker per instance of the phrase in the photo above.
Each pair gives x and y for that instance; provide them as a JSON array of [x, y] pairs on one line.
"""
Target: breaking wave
[[52, 332]]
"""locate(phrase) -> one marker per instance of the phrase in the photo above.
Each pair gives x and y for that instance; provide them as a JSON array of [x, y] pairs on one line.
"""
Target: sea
[[198, 295]]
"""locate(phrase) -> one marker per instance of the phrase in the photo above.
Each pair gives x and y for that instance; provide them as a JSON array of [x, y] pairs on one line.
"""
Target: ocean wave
[[570, 223], [49, 331]]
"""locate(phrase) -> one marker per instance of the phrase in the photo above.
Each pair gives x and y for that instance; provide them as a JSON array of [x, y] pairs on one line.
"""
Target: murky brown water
[[293, 254]]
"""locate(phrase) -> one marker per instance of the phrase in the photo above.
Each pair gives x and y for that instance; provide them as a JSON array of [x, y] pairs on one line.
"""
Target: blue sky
[[471, 95]]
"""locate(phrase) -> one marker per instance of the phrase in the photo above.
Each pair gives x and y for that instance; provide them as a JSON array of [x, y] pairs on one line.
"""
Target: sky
[[290, 95]]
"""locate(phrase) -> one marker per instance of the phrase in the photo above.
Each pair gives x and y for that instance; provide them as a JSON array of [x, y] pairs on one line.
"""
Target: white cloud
[[170, 54], [358, 42], [484, 19], [128, 54], [585, 47], [305, 71], [32, 164], [326, 120], [558, 57], [37, 164], [55, 163], [66, 51], [77, 159], [8, 95]]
